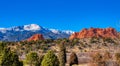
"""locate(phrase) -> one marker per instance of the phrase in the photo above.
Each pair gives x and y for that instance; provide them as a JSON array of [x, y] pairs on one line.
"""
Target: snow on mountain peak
[[32, 27], [3, 30], [54, 31], [68, 32], [15, 28], [64, 31], [19, 32]]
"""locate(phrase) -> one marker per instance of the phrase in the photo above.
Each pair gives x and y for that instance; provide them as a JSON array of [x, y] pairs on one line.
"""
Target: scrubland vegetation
[[61, 52]]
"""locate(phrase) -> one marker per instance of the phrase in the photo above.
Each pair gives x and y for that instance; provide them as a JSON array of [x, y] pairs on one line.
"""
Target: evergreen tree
[[9, 58], [32, 59], [2, 47], [50, 59], [62, 54], [40, 59]]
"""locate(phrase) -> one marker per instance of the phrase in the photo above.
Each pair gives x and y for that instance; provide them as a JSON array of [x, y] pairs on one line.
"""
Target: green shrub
[[94, 40], [50, 59], [109, 40]]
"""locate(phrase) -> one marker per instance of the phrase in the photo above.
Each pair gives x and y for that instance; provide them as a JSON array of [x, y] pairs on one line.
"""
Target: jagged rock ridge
[[95, 32], [36, 37]]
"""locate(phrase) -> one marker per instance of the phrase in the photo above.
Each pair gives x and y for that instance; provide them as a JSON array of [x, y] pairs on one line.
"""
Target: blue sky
[[61, 14]]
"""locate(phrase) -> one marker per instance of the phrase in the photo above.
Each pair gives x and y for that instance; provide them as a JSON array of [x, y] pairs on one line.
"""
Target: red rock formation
[[95, 32], [36, 37]]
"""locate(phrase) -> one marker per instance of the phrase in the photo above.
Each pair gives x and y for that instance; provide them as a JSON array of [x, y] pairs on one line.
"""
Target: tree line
[[10, 58]]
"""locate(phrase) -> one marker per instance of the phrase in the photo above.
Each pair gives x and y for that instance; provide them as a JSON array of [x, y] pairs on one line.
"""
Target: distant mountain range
[[19, 33]]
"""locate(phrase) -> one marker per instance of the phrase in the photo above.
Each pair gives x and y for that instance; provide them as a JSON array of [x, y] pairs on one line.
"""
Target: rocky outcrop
[[36, 37], [95, 32]]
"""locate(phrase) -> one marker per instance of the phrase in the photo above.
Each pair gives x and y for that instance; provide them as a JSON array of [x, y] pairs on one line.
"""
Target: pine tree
[[32, 59], [2, 47], [62, 54], [9, 58], [50, 59]]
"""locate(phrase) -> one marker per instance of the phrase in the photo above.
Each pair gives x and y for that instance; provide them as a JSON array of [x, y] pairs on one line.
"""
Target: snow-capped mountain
[[32, 27], [19, 33], [56, 31]]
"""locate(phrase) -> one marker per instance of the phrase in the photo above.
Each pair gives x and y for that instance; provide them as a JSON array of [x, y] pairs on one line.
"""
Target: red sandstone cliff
[[36, 37], [95, 32]]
